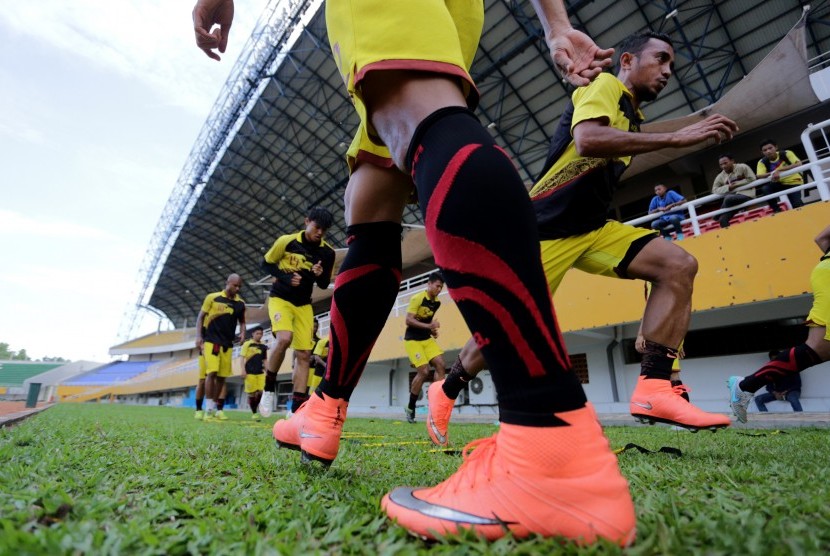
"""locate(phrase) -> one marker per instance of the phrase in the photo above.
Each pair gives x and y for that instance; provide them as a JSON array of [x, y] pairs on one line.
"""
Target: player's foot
[[738, 399], [266, 404], [314, 429], [439, 411], [256, 417], [410, 415], [209, 415], [220, 415], [654, 401], [551, 481], [199, 415]]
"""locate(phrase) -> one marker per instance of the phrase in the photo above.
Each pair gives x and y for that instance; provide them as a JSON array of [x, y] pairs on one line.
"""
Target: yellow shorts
[[604, 251], [219, 362], [285, 316], [254, 383], [437, 36], [421, 352], [202, 367], [820, 284]]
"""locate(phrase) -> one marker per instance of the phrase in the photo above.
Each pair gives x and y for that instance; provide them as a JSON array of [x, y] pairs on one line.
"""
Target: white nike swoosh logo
[[646, 405], [441, 438], [306, 435]]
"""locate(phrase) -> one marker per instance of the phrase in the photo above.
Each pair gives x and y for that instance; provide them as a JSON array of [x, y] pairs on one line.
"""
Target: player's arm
[[823, 239], [595, 138], [327, 263], [272, 258], [413, 322], [200, 321], [206, 15], [576, 57]]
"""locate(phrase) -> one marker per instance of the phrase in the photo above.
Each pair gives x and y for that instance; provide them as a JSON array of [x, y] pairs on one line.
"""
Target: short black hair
[[726, 155], [321, 216], [257, 328], [435, 275], [768, 142], [634, 44]]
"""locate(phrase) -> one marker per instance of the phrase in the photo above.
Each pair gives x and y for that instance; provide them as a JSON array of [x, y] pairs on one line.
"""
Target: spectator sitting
[[772, 164], [786, 388], [731, 177], [664, 200]]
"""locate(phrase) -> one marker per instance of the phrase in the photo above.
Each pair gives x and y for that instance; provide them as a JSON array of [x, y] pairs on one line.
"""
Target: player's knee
[[680, 269]]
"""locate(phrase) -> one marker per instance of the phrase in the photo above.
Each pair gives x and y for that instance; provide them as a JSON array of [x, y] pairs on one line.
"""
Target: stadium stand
[[120, 371], [14, 373]]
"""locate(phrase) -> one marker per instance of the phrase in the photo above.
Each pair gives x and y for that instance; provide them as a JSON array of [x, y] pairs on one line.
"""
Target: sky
[[101, 102]]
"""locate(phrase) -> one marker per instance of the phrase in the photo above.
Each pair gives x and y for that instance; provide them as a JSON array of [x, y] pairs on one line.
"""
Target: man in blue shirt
[[664, 200]]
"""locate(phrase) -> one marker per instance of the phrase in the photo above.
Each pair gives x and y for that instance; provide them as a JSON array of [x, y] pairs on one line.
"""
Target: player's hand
[[244, 375], [295, 279], [435, 325], [577, 58], [776, 175], [434, 332], [640, 344], [206, 14], [200, 343], [317, 269], [717, 127]]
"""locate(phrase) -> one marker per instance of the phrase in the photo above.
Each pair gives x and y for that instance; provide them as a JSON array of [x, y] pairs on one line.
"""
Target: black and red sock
[[657, 361], [457, 379], [793, 360], [466, 185], [371, 270]]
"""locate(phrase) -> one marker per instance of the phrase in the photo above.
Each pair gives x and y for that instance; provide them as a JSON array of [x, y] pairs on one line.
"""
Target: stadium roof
[[275, 140]]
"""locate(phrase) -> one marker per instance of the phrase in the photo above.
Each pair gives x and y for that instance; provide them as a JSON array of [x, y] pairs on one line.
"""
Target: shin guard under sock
[[657, 361], [467, 186], [370, 271], [793, 360]]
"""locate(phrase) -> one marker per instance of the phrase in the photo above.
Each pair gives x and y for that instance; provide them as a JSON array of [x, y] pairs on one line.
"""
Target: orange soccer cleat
[[655, 401], [439, 411], [314, 429], [552, 481]]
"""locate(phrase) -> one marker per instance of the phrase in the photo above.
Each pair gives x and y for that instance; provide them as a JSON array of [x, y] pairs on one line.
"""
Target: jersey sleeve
[[277, 251], [596, 101], [792, 160], [245, 346], [414, 303], [208, 302], [321, 347]]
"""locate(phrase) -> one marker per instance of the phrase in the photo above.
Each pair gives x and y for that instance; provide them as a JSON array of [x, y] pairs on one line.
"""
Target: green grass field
[[98, 479]]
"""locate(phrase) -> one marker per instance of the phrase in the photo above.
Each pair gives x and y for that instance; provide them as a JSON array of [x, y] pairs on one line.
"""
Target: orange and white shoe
[[552, 481], [439, 411], [314, 429], [655, 401]]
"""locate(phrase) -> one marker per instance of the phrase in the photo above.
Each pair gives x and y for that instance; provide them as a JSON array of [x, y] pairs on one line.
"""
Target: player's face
[[726, 164], [651, 69], [257, 335], [313, 232], [769, 150], [434, 288], [234, 286]]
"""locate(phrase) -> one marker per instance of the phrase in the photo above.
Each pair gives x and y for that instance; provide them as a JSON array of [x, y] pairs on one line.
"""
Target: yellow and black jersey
[[321, 348], [221, 316], [783, 161], [573, 194], [293, 253], [254, 354], [424, 308]]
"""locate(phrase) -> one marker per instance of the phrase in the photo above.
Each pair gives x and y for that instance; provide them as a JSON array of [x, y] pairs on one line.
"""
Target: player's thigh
[[432, 349], [225, 363], [212, 354], [303, 339], [415, 352], [376, 194], [559, 255], [281, 313], [202, 367], [617, 249]]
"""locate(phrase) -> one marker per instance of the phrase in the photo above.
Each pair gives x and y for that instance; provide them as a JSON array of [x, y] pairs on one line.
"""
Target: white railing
[[817, 157]]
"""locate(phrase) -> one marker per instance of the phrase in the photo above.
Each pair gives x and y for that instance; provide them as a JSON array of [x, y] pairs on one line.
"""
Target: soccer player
[[254, 352], [419, 338], [803, 356], [549, 469], [297, 261], [216, 323], [319, 356], [597, 137]]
